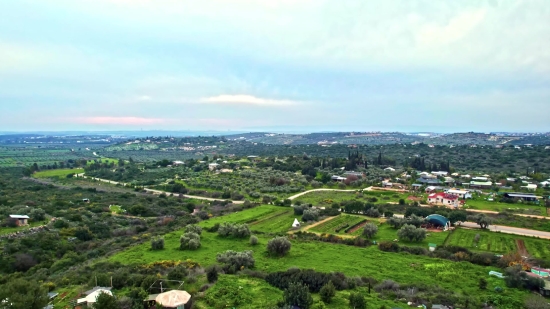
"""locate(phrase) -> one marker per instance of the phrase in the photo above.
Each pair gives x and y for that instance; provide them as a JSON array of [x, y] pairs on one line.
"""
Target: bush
[[370, 230], [190, 241], [253, 240], [388, 246], [212, 274], [192, 228], [279, 246], [327, 292], [237, 260], [299, 210], [357, 301], [387, 285], [236, 230], [310, 215], [411, 233], [297, 295], [373, 212], [157, 243]]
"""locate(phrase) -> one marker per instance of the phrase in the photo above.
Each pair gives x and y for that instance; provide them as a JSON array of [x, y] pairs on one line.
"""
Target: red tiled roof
[[443, 195]]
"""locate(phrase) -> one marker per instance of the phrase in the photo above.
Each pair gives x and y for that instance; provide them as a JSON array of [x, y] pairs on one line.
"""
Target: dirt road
[[324, 189], [510, 230]]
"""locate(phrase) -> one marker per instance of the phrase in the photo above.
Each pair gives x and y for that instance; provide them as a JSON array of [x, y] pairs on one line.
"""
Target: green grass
[[58, 173], [325, 257], [277, 222], [7, 230], [329, 227], [326, 198], [116, 209], [498, 242], [483, 204], [250, 293]]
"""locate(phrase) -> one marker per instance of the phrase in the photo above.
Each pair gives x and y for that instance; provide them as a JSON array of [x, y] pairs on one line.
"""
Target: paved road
[[510, 230]]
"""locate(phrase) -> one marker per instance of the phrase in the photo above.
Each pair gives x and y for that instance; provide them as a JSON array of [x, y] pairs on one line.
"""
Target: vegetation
[[278, 246]]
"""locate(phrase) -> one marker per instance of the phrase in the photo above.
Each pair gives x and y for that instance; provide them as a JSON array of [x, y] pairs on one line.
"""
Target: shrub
[[373, 212], [236, 230], [327, 292], [411, 233], [482, 283], [388, 246], [253, 240], [299, 210], [370, 230], [212, 274], [387, 285], [357, 301], [157, 243], [238, 260], [310, 215], [192, 228], [298, 295], [279, 246], [190, 241]]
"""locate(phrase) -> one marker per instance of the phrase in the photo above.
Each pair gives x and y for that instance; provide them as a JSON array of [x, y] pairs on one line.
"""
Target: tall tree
[[23, 294]]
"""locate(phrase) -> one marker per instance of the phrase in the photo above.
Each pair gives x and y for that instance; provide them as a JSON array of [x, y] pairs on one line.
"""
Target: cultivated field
[[498, 242], [57, 173]]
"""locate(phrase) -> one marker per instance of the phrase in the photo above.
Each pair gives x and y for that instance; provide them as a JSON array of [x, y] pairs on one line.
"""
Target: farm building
[[20, 220], [92, 295], [443, 199], [439, 220], [528, 197], [337, 178], [541, 272]]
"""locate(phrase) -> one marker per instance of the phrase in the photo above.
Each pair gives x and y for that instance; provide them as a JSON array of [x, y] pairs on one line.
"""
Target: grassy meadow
[[325, 257], [498, 242], [57, 173]]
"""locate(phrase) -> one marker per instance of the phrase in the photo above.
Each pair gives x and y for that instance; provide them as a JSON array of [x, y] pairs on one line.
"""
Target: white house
[[480, 178], [440, 173], [443, 199], [530, 186], [389, 169], [459, 193], [337, 178], [213, 166], [178, 163], [92, 297], [466, 176]]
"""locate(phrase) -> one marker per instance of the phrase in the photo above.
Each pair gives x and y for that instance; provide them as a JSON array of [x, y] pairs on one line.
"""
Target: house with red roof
[[444, 199]]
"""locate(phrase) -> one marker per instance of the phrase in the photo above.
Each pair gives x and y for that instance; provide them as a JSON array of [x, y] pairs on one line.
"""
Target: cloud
[[120, 120], [144, 98], [243, 99]]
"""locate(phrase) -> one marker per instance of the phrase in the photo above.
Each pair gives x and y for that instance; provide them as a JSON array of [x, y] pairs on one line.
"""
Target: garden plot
[[338, 225], [277, 222], [498, 242]]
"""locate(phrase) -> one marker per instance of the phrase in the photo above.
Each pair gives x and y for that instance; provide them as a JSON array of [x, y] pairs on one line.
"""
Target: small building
[[175, 163], [460, 193], [541, 272], [86, 200], [91, 298], [352, 173], [480, 178], [20, 220], [443, 199], [389, 169], [440, 173], [528, 197], [439, 220], [213, 166], [438, 306], [337, 178], [428, 181], [530, 186], [296, 223], [481, 184]]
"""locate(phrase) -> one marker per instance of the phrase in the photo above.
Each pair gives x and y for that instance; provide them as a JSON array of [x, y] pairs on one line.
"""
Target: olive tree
[[278, 246]]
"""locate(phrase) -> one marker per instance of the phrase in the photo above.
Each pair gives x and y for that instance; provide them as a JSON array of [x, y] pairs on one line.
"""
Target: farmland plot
[[278, 222], [338, 224]]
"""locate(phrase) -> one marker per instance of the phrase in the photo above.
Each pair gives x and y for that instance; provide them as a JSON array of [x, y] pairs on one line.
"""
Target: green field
[[321, 256], [338, 222], [278, 222], [498, 242], [7, 230], [496, 206], [326, 198], [58, 173]]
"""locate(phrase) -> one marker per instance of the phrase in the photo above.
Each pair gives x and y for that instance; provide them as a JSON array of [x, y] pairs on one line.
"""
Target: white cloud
[[242, 99]]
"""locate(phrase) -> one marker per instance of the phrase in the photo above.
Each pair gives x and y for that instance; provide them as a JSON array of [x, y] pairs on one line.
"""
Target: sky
[[278, 65]]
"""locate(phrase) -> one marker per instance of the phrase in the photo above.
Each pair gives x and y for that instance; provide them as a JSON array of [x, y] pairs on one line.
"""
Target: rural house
[[459, 193], [528, 197], [389, 169], [20, 220], [443, 199]]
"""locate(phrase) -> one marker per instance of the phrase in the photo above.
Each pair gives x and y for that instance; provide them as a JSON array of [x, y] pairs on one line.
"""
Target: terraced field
[[278, 222], [497, 242], [338, 224]]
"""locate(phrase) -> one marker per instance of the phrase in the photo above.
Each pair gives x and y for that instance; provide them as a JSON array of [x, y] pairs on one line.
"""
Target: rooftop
[[19, 217]]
